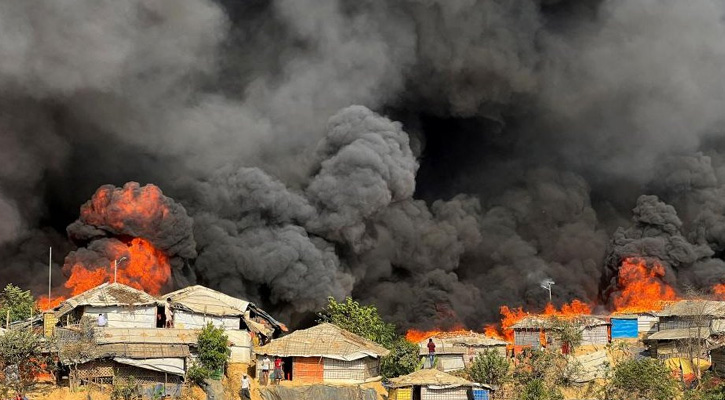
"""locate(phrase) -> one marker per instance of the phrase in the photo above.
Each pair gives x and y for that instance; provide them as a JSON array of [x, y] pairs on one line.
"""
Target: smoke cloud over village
[[436, 158]]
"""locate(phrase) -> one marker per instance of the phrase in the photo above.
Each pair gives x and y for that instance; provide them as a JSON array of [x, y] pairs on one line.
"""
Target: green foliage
[[20, 351], [19, 302], [403, 359], [644, 378], [360, 320], [537, 389], [567, 331], [213, 349], [125, 389], [489, 367], [197, 374]]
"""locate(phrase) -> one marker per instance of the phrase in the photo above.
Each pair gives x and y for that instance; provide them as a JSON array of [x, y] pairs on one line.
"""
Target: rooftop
[[430, 377], [323, 340]]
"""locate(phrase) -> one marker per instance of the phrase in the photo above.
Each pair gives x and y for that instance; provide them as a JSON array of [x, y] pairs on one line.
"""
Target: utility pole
[[546, 284], [115, 267], [50, 272]]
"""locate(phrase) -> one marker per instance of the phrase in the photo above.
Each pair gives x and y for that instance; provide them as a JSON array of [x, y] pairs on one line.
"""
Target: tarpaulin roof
[[170, 365], [682, 333], [106, 295], [141, 350], [145, 335], [693, 308], [431, 377], [202, 300], [323, 340], [545, 322]]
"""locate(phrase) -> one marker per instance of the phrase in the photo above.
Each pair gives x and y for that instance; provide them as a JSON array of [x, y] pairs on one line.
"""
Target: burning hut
[[195, 306], [540, 331], [431, 384], [455, 351], [325, 353], [121, 305]]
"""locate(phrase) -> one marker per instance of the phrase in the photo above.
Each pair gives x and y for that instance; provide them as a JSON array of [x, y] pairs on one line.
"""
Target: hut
[[195, 306], [325, 353], [432, 384], [688, 314], [123, 307], [632, 326], [540, 331], [456, 350], [156, 358]]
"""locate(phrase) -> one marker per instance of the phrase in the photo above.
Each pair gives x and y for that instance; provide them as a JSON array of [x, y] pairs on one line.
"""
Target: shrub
[[125, 389], [489, 367], [644, 378], [403, 359], [537, 389], [197, 374], [213, 349]]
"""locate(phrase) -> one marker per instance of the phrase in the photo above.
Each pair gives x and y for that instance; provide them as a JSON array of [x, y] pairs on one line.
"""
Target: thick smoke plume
[[438, 158]]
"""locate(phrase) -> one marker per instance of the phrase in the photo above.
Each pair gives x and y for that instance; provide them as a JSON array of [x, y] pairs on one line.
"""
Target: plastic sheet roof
[[683, 333], [145, 335], [431, 377], [203, 300], [323, 340], [691, 308], [106, 295]]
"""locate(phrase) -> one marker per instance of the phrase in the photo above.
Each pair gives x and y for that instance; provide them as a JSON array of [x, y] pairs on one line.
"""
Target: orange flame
[[719, 291], [415, 336], [119, 208], [146, 268], [642, 288]]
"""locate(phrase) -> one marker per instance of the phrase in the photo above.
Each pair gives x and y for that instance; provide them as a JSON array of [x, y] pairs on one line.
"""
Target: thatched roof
[[429, 377], [694, 308], [323, 340], [106, 295]]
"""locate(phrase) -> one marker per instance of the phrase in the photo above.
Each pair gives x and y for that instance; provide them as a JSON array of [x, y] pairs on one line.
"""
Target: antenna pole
[[50, 272], [115, 270]]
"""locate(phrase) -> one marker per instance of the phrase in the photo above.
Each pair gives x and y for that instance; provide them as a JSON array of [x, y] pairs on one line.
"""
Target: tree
[[20, 358], [489, 367], [567, 332], [213, 349], [365, 321], [19, 302], [403, 359], [360, 320], [645, 378]]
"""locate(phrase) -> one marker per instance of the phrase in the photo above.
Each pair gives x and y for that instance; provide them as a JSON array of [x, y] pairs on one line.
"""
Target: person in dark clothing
[[431, 351]]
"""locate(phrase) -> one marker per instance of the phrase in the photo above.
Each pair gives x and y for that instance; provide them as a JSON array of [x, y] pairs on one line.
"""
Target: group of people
[[277, 374]]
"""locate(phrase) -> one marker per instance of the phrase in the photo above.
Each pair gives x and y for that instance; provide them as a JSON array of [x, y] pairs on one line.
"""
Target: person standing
[[266, 365], [102, 321], [169, 314], [278, 373], [431, 351], [244, 392]]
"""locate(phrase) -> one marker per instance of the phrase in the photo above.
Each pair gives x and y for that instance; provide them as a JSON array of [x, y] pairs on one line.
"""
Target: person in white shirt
[[266, 366], [102, 321], [244, 392], [169, 314]]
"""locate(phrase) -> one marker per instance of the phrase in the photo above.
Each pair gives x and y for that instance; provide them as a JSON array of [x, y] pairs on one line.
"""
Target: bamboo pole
[[7, 320]]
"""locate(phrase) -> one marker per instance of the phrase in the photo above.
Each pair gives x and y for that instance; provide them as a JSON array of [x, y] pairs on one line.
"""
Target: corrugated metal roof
[[106, 295], [430, 377], [323, 340], [145, 335], [207, 301], [685, 308], [684, 333]]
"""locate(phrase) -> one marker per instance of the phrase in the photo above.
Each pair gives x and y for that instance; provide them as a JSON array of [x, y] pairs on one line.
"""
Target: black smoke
[[438, 158]]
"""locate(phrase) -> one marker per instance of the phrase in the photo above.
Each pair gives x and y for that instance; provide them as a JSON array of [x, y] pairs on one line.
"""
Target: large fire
[[642, 288], [128, 212], [415, 336]]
